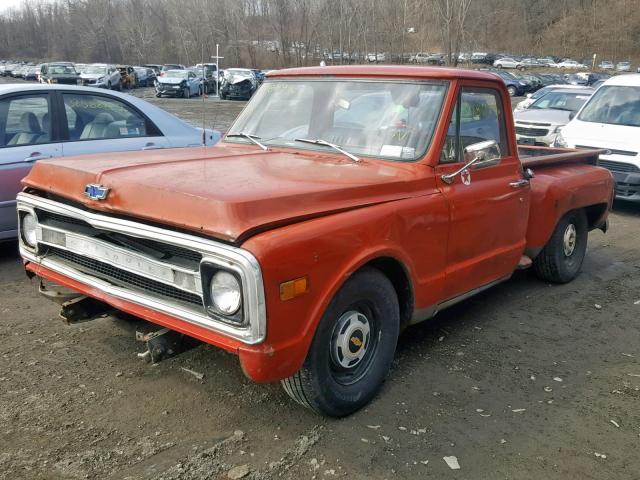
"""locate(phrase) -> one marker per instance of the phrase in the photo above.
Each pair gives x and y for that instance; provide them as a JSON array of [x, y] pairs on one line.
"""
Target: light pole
[[217, 58]]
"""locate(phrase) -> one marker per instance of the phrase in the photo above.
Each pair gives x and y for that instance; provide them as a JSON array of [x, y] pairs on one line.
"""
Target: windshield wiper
[[325, 143], [250, 137]]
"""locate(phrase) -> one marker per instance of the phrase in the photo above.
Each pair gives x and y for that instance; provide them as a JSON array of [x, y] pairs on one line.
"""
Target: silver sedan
[[46, 121]]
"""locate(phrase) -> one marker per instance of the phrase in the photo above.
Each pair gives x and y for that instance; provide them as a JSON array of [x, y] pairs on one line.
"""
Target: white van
[[611, 120]]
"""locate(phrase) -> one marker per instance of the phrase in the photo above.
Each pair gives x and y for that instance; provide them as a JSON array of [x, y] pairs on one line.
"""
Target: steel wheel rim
[[569, 240], [353, 344]]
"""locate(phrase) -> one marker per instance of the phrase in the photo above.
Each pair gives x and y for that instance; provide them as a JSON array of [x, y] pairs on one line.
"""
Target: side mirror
[[485, 154]]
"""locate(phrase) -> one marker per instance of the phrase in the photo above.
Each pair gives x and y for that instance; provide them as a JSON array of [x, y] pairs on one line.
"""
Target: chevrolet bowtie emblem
[[96, 192]]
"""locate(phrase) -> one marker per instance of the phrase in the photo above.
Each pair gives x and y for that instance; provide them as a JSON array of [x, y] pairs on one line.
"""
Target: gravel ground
[[525, 381]]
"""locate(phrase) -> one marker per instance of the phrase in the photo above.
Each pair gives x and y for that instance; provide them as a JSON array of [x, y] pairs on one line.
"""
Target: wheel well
[[397, 274], [594, 215]]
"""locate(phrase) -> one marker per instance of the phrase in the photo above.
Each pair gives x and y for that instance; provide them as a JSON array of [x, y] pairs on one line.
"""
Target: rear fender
[[559, 189]]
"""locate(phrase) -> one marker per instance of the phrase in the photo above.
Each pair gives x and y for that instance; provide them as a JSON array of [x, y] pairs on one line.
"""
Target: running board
[[430, 312]]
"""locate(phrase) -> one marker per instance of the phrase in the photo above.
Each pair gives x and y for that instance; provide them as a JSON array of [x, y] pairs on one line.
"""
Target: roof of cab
[[386, 71]]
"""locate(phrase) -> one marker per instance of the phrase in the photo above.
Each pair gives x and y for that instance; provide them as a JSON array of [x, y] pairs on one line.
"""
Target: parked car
[[307, 257], [541, 123], [515, 87], [508, 62], [420, 57], [532, 63], [532, 97], [208, 72], [101, 75], [436, 59], [239, 83], [32, 72], [547, 62], [127, 76], [170, 66], [606, 65], [623, 67], [376, 57], [144, 76], [178, 83], [88, 120], [611, 120], [59, 72], [155, 67], [570, 64]]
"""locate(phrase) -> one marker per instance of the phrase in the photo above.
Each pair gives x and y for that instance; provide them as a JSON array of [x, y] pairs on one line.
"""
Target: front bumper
[[627, 186], [169, 89], [142, 296]]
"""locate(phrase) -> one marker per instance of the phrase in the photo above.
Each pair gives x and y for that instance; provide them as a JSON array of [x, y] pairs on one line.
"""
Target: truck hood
[[228, 192], [622, 140], [543, 115]]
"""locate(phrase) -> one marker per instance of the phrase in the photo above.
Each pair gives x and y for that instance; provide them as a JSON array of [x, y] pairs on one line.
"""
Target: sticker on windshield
[[397, 151]]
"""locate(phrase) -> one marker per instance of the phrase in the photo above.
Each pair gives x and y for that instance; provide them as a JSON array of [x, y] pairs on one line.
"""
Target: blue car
[[179, 83], [515, 87]]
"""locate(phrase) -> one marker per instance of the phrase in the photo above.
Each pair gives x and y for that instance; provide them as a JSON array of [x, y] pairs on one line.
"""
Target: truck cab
[[344, 205]]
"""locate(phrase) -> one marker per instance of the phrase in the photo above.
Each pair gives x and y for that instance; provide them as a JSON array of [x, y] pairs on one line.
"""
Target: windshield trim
[[419, 156]]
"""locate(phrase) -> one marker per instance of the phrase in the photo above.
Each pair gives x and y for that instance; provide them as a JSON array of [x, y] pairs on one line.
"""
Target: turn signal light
[[293, 288]]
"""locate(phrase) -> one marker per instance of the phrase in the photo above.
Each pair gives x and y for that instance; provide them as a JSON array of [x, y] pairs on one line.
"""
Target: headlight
[[225, 293], [29, 225], [560, 141]]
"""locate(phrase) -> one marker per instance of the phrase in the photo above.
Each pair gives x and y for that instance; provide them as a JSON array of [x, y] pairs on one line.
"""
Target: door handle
[[520, 183], [36, 156]]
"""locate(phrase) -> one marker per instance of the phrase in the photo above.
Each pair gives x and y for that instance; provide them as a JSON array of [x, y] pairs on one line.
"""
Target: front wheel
[[512, 91], [561, 258], [352, 349], [186, 93]]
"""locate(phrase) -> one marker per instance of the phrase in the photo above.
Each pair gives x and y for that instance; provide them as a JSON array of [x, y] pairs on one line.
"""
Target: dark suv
[[59, 72]]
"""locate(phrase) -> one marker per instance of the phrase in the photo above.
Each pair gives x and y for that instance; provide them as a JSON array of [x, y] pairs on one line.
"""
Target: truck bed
[[531, 156]]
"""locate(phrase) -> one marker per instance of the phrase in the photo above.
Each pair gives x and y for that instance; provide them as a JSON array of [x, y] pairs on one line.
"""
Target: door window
[[97, 117], [25, 120], [478, 116]]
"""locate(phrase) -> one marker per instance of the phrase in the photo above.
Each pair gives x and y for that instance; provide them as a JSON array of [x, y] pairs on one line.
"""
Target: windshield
[[95, 69], [176, 74], [569, 101], [62, 69], [615, 105], [366, 118]]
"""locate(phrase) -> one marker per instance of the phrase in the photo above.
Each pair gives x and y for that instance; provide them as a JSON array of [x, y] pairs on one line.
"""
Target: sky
[[7, 4]]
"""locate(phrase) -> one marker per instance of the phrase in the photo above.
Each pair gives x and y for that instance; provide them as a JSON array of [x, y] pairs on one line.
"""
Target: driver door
[[488, 206]]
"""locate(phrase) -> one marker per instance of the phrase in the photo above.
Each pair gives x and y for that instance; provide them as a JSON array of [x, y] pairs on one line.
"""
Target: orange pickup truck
[[344, 204]]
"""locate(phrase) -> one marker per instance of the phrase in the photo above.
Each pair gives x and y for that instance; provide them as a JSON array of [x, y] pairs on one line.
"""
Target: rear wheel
[[561, 258], [352, 349]]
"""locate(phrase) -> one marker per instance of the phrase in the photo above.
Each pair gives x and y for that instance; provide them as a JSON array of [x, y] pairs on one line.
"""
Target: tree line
[[282, 33]]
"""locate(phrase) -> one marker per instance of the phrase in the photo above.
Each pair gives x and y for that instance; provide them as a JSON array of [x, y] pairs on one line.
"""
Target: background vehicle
[[508, 62], [542, 121], [606, 65], [144, 76], [59, 72], [250, 241], [178, 83], [239, 83], [154, 66], [170, 66], [570, 64], [89, 120], [532, 97], [611, 120], [127, 76], [420, 58], [547, 62], [208, 72], [514, 86], [101, 75], [623, 67]]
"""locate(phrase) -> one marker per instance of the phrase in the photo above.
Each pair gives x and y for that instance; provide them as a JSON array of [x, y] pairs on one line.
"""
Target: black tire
[[223, 96], [158, 95], [186, 93], [325, 385], [554, 263], [512, 91], [109, 85]]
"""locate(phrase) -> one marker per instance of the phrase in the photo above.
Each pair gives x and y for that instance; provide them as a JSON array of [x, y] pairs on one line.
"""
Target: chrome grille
[[121, 277], [618, 166], [532, 132]]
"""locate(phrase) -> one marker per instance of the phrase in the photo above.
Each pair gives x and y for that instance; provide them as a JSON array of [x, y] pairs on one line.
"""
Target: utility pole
[[217, 58]]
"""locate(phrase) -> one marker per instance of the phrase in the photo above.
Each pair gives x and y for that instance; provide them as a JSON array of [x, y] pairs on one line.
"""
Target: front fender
[[327, 251]]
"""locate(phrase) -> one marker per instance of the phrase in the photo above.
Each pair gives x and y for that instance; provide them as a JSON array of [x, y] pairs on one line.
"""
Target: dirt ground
[[525, 381]]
